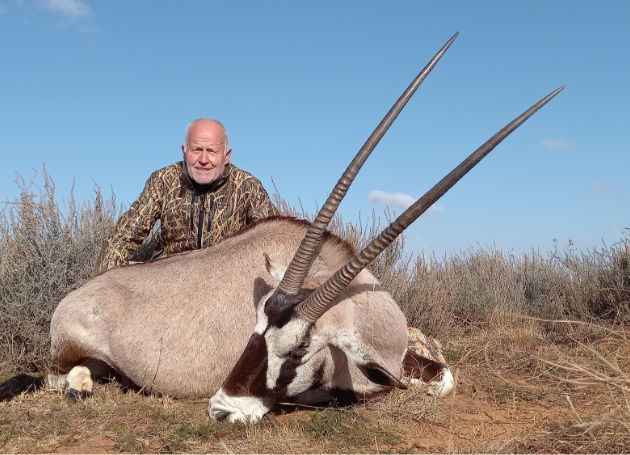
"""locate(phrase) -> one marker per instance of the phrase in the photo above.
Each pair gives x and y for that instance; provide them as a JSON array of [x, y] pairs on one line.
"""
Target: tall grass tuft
[[475, 286], [46, 251], [601, 370]]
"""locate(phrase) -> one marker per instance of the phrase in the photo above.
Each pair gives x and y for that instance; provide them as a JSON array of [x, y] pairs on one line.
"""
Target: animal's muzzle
[[236, 409]]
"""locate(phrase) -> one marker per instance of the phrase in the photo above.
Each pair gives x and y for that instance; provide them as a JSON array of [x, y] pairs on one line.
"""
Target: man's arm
[[260, 205], [131, 229]]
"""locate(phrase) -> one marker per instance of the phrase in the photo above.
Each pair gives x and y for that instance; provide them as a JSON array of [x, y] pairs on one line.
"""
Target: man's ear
[[228, 155], [184, 151]]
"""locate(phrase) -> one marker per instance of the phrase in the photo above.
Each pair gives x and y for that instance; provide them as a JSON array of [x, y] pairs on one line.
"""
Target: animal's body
[[178, 325]]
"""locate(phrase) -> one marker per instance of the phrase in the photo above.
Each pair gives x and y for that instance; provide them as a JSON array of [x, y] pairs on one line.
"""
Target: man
[[199, 200]]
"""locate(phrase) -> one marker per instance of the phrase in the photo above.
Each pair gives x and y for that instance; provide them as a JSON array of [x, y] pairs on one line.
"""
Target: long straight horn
[[317, 303], [304, 256]]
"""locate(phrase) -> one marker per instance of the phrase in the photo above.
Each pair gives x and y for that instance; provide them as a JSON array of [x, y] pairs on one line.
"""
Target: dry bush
[[600, 370], [46, 251], [605, 275]]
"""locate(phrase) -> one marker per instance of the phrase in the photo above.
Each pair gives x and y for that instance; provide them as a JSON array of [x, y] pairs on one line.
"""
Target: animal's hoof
[[72, 395]]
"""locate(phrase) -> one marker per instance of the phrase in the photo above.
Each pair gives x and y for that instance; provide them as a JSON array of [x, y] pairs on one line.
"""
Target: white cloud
[[558, 144], [602, 187], [71, 13], [71, 9], [396, 199], [401, 200]]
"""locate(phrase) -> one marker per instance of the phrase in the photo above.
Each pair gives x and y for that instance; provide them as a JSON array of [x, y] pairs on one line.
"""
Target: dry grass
[[509, 399], [599, 369], [529, 380], [137, 423], [46, 251]]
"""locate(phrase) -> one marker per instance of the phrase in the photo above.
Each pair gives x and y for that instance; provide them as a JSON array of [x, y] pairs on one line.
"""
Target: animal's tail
[[20, 384]]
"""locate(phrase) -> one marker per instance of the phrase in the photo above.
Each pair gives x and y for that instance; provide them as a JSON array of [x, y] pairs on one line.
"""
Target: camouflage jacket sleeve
[[259, 205], [132, 228]]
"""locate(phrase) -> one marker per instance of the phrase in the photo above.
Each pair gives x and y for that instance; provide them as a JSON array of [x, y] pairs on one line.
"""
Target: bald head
[[206, 123], [206, 150]]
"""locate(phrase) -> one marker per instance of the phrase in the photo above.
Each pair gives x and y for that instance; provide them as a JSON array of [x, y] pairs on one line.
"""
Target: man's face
[[205, 153]]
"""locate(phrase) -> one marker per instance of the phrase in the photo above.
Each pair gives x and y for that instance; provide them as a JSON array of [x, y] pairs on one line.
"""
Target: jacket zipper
[[192, 212], [202, 209], [200, 226], [210, 212]]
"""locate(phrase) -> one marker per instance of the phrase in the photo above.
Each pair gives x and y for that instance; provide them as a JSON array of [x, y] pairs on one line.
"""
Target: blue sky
[[101, 92]]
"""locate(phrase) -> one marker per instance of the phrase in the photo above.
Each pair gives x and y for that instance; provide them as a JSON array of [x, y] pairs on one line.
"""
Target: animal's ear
[[276, 270], [376, 373]]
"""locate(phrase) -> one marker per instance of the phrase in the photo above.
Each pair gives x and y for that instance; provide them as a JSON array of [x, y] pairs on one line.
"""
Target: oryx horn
[[317, 303], [304, 256]]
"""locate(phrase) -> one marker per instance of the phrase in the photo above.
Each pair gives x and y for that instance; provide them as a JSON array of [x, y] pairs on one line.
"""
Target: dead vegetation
[[46, 251], [539, 343]]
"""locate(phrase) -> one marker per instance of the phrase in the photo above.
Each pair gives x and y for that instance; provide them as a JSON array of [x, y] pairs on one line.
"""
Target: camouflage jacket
[[192, 216]]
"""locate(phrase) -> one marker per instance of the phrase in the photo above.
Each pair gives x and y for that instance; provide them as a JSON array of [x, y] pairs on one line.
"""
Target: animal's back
[[177, 325]]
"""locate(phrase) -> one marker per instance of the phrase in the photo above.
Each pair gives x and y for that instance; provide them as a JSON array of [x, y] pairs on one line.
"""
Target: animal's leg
[[79, 381], [56, 381], [19, 384]]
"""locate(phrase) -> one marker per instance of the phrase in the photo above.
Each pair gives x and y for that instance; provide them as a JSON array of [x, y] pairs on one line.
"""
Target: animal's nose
[[233, 416], [236, 409], [218, 414], [218, 407]]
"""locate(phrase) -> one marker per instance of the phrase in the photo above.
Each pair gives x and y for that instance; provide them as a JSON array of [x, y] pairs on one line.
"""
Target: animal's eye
[[297, 353]]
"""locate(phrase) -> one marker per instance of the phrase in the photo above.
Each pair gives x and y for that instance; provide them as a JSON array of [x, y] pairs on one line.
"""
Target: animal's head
[[283, 359], [278, 361]]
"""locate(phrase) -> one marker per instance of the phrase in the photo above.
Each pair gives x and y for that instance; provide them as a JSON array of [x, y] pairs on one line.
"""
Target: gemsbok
[[323, 327]]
